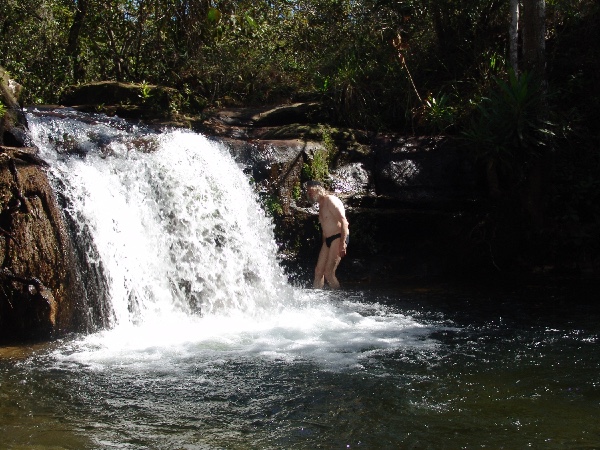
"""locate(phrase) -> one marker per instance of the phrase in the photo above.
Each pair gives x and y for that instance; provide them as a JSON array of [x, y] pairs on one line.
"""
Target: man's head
[[314, 189]]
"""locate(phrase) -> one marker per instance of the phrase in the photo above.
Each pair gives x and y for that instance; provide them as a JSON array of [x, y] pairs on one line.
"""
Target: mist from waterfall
[[186, 254]]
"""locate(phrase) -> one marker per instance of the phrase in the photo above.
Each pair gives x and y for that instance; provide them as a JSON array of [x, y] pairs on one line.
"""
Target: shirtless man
[[335, 234]]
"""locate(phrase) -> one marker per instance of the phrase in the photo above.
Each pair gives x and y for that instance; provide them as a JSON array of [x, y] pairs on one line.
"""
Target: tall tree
[[534, 37], [514, 35], [73, 46], [534, 61]]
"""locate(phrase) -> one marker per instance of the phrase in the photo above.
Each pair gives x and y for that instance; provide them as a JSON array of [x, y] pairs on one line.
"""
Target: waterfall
[[180, 260], [168, 219]]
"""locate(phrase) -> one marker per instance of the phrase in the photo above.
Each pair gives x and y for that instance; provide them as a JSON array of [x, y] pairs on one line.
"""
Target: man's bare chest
[[324, 215]]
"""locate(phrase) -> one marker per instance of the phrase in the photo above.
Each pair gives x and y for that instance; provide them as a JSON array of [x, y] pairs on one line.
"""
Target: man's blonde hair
[[316, 185]]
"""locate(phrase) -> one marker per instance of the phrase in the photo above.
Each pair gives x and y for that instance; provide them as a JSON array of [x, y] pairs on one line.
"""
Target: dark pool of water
[[504, 367]]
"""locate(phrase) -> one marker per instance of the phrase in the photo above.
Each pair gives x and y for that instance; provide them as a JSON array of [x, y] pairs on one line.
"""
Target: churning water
[[208, 346]]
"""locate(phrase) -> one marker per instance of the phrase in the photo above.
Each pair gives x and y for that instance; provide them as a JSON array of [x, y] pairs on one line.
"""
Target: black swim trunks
[[330, 239]]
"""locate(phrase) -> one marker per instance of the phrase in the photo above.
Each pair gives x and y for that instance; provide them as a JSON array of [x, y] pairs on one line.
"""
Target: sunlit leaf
[[250, 21], [213, 15]]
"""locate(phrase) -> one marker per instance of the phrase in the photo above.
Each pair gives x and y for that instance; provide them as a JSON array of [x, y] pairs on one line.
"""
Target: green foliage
[[2, 110], [272, 205], [508, 127], [317, 168], [307, 173], [145, 91], [353, 56], [33, 38], [320, 165], [213, 15], [297, 191], [438, 114], [329, 143]]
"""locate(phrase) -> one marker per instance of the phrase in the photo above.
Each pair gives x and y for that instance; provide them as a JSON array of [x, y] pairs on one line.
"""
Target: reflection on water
[[512, 373]]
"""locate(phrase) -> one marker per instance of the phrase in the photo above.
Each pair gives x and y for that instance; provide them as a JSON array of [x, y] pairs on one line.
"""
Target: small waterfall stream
[[172, 223]]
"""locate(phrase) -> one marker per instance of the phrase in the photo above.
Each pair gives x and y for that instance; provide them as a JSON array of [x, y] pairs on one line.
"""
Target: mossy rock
[[108, 95]]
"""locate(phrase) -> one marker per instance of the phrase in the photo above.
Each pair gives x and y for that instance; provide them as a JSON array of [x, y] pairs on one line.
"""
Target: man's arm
[[345, 232], [339, 215]]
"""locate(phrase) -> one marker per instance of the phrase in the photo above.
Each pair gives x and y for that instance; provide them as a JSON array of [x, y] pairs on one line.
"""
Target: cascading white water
[[186, 252], [176, 228]]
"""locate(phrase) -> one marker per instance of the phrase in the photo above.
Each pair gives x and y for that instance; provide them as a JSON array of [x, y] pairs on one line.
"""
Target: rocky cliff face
[[40, 292], [412, 202]]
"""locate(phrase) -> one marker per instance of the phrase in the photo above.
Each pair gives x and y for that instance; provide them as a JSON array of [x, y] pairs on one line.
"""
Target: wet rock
[[417, 169], [41, 291], [352, 179]]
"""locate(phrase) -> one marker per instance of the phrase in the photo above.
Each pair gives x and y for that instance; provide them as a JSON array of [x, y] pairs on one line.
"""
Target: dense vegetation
[[408, 65], [411, 66]]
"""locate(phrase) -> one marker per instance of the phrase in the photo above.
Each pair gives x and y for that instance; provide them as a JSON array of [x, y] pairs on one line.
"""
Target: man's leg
[[320, 268], [331, 264]]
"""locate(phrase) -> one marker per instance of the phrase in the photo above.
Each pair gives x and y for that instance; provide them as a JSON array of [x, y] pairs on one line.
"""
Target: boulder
[[126, 100], [41, 292], [13, 125]]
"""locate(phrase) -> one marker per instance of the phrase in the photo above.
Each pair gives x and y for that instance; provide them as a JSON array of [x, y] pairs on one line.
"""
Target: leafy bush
[[438, 114], [507, 129], [272, 205], [318, 167]]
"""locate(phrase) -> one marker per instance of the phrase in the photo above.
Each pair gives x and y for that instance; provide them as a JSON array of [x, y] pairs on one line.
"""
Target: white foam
[[334, 336]]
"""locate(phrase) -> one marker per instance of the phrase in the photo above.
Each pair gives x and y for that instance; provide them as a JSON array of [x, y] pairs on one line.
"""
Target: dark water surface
[[510, 367]]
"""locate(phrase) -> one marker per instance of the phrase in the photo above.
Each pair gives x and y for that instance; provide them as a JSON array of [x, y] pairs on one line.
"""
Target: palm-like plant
[[510, 129]]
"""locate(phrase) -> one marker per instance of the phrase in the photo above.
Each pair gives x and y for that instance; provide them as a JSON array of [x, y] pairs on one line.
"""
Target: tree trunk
[[534, 33], [118, 65], [534, 61], [73, 47], [513, 36]]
